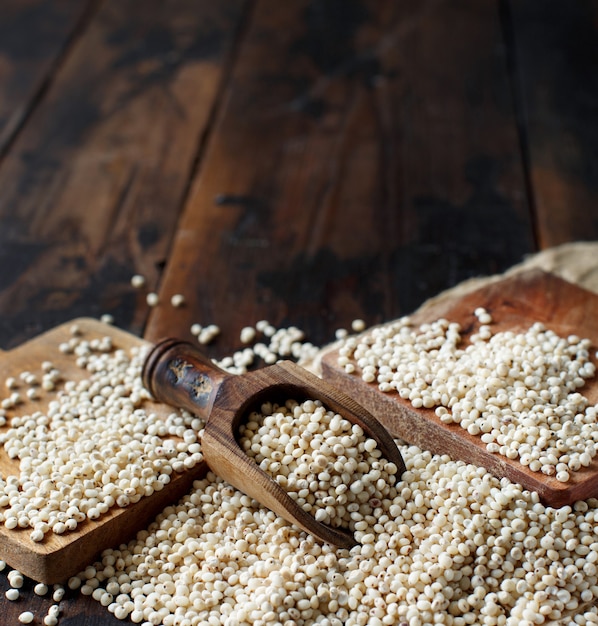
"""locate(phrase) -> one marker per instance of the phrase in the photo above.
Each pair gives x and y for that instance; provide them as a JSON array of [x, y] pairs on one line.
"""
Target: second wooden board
[[514, 303]]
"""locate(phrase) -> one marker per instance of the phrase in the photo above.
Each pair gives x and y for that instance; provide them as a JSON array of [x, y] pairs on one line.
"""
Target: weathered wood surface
[[333, 159], [91, 189], [555, 55], [515, 304], [359, 164], [34, 37]]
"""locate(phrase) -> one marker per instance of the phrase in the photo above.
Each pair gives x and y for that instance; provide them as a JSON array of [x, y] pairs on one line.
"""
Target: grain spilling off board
[[515, 304], [59, 556]]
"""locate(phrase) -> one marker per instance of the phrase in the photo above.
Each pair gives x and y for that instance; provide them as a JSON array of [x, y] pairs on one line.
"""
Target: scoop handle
[[176, 373]]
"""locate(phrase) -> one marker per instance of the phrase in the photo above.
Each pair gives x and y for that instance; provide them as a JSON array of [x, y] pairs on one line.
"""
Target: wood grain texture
[[61, 556], [365, 157], [555, 54], [91, 190], [34, 34], [515, 304]]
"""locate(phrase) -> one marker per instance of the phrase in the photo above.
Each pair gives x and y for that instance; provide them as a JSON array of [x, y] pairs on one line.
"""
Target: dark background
[[306, 162]]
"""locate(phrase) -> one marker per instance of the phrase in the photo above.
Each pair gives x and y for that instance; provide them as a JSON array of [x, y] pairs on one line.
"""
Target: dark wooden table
[[306, 162]]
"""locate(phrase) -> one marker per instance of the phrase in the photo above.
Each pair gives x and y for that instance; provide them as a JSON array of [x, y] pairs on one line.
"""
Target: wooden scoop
[[175, 372]]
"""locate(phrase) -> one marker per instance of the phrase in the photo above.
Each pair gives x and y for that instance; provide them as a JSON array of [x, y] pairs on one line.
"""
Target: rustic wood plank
[[33, 36], [366, 158], [556, 50], [91, 190]]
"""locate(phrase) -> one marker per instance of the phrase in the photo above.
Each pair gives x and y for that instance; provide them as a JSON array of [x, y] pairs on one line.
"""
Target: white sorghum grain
[[26, 617], [195, 329], [12, 594], [177, 300], [74, 582], [519, 392], [283, 343], [269, 330], [262, 325], [106, 318], [152, 299], [323, 461], [31, 380], [137, 281], [15, 578], [208, 334], [247, 334], [358, 325], [40, 589], [58, 593], [483, 316], [452, 545]]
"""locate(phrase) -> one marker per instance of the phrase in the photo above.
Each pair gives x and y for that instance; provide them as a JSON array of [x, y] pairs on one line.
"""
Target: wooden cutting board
[[515, 303], [60, 556]]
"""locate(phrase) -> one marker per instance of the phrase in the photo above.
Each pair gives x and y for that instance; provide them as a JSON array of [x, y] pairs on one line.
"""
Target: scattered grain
[[26, 617], [12, 594], [152, 299], [137, 281], [177, 300]]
